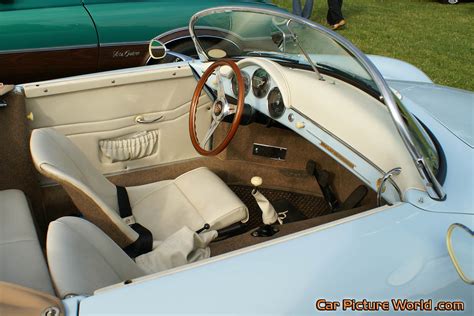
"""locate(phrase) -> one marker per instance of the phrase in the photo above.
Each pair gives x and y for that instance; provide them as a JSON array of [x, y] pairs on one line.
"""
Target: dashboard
[[326, 113], [261, 89]]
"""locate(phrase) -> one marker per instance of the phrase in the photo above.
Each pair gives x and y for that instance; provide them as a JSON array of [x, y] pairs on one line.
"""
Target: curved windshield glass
[[233, 32], [237, 34]]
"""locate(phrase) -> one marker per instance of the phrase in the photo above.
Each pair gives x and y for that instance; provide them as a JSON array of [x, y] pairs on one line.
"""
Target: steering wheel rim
[[220, 108]]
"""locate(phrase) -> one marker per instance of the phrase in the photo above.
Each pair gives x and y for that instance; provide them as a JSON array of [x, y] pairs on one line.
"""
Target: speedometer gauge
[[260, 83], [235, 86], [276, 107]]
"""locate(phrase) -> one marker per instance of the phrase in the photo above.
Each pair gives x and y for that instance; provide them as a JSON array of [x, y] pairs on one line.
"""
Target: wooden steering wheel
[[219, 110]]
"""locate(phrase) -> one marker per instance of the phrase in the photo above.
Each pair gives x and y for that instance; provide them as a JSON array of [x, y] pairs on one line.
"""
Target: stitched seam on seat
[[235, 210], [191, 171], [194, 206], [93, 246], [16, 241], [149, 194], [197, 210]]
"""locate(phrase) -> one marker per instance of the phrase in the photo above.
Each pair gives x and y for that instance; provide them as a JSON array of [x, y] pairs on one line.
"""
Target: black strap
[[144, 243], [125, 209]]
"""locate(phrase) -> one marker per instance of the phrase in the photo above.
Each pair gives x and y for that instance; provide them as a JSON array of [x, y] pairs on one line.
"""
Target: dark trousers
[[334, 12]]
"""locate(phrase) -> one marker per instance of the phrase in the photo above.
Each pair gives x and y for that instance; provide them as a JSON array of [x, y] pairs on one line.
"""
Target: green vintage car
[[48, 39]]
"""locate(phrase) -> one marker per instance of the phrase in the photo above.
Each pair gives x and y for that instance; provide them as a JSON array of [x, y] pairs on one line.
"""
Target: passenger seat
[[21, 258], [82, 258]]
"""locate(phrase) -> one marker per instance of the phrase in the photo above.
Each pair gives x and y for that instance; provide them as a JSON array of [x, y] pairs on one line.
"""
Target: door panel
[[99, 107]]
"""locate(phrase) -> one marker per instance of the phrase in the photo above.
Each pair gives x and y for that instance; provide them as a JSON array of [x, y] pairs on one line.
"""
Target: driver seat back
[[56, 157], [159, 209]]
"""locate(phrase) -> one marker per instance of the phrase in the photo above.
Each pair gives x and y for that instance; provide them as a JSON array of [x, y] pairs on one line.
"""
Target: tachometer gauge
[[276, 107], [260, 83], [235, 86]]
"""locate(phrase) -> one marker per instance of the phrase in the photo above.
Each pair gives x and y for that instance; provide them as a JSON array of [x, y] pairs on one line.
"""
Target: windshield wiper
[[365, 82], [310, 61]]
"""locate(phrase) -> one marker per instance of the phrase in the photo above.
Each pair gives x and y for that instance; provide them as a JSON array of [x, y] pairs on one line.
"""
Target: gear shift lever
[[269, 215], [256, 182]]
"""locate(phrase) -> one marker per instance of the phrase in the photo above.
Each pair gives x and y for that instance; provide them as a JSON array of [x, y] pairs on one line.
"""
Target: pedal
[[323, 178]]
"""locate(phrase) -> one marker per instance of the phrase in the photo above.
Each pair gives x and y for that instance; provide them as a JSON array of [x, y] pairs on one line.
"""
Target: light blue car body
[[396, 252]]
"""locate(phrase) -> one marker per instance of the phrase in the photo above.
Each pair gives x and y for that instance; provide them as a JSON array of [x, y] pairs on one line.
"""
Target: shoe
[[339, 25]]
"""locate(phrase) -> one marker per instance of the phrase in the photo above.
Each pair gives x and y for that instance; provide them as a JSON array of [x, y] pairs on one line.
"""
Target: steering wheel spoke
[[219, 110], [231, 109], [210, 132], [220, 84]]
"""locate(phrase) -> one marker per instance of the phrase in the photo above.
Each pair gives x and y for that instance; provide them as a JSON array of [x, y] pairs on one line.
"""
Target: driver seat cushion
[[193, 199]]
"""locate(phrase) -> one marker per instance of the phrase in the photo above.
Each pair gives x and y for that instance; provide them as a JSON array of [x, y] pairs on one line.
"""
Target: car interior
[[71, 147]]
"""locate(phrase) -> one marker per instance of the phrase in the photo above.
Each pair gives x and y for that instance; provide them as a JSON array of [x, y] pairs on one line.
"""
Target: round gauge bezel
[[263, 90], [271, 111], [247, 82]]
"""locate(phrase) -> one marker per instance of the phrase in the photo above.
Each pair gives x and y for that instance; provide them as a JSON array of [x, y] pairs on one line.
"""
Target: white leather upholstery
[[183, 247], [21, 258], [191, 200], [82, 258]]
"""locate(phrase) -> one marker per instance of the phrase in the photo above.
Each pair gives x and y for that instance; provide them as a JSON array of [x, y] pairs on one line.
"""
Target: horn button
[[220, 109]]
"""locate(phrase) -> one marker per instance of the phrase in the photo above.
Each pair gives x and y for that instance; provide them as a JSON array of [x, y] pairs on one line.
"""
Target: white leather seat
[[83, 259], [193, 199], [21, 258]]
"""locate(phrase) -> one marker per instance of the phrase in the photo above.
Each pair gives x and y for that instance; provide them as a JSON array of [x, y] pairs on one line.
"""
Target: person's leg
[[332, 4], [308, 9], [338, 13], [335, 9], [297, 7]]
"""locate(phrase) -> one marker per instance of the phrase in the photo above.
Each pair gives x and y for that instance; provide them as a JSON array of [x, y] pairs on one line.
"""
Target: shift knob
[[256, 181]]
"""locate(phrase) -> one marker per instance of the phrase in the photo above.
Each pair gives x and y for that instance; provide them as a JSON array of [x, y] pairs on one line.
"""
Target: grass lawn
[[437, 38]]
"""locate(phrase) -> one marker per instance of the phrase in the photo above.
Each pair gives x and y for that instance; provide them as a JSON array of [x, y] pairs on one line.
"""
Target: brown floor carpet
[[246, 239], [309, 205]]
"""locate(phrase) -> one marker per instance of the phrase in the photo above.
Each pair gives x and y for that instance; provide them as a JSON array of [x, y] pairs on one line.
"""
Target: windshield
[[237, 34]]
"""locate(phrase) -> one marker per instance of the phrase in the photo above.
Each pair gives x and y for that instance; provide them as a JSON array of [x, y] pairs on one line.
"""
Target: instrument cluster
[[263, 88]]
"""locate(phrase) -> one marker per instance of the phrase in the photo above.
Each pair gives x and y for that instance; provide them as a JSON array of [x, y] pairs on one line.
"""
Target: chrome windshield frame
[[432, 185]]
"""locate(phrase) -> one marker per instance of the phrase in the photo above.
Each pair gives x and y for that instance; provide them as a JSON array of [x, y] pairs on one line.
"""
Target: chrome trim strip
[[46, 49], [183, 58], [355, 151], [432, 186], [159, 37], [124, 44], [349, 147], [173, 31]]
